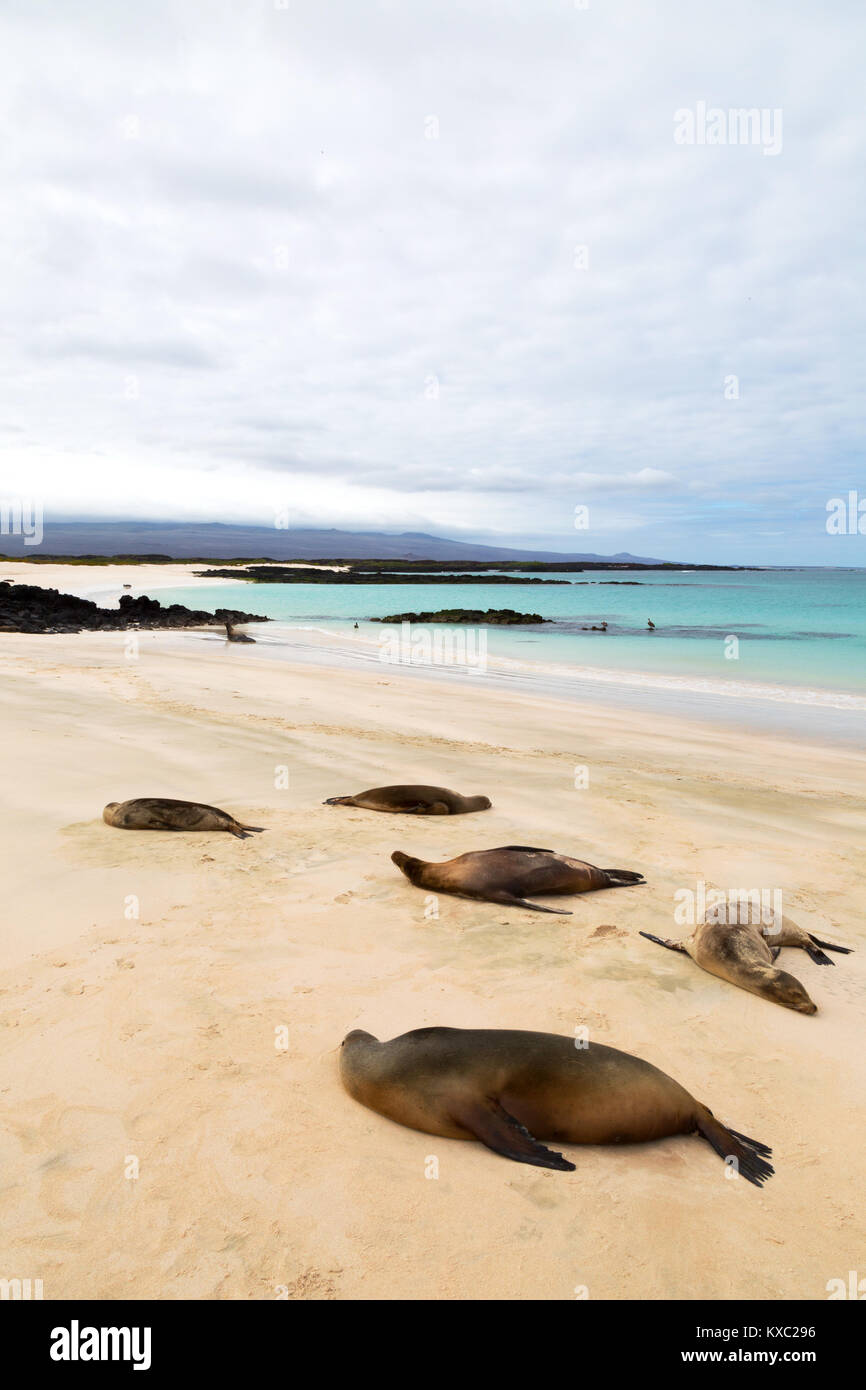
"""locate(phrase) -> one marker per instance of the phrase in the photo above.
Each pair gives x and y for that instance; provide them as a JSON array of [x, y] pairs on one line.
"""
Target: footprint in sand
[[606, 930], [313, 1284]]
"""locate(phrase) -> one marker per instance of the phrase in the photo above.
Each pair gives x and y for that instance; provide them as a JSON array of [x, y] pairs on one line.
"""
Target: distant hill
[[213, 540]]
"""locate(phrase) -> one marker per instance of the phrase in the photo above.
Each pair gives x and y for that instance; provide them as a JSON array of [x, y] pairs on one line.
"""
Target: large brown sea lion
[[745, 954], [414, 801], [506, 875], [510, 1089], [163, 813]]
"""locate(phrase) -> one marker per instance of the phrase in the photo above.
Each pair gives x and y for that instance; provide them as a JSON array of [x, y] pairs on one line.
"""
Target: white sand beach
[[105, 583], [159, 1141]]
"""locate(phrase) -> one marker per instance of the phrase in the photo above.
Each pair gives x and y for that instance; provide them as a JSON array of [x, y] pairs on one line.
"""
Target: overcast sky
[[438, 267]]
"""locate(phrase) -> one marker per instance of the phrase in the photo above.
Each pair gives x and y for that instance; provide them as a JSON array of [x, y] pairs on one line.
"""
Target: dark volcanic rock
[[279, 574], [28, 608], [493, 617]]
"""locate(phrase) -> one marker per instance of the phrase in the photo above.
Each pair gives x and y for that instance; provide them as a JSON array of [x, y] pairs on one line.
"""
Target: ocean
[[783, 638]]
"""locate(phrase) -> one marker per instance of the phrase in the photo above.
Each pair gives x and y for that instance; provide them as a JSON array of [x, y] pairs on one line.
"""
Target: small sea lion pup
[[508, 874], [414, 801], [511, 1089], [163, 813], [742, 953]]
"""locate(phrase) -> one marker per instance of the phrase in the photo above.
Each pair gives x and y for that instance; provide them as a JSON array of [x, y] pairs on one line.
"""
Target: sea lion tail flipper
[[818, 956], [752, 1143], [750, 1155], [671, 945], [828, 946], [499, 1131], [620, 878]]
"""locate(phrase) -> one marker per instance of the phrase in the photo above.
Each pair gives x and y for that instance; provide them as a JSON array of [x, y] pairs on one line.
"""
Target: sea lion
[[233, 636], [164, 813], [413, 801], [741, 953], [506, 875], [509, 1089]]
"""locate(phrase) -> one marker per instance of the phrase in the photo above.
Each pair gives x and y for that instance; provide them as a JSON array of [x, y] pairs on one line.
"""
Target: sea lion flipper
[[622, 878], [828, 946], [509, 900], [491, 1123], [750, 1155], [818, 956], [527, 849], [671, 945]]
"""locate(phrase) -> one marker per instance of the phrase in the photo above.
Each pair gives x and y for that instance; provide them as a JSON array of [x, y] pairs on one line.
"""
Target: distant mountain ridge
[[220, 541]]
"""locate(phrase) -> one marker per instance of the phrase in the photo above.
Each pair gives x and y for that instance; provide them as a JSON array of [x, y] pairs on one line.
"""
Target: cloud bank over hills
[[439, 268]]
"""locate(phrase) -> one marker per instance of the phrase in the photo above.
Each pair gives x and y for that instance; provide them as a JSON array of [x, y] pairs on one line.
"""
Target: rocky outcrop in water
[[28, 608], [280, 574], [493, 617]]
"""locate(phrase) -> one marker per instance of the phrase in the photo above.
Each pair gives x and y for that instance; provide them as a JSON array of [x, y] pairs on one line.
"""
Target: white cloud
[[237, 266]]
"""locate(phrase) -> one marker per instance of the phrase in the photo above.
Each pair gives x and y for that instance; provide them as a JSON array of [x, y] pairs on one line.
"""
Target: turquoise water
[[804, 628]]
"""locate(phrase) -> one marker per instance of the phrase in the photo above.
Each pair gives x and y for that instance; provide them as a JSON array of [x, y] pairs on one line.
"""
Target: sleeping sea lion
[[506, 875], [742, 953], [510, 1089], [413, 801], [164, 813]]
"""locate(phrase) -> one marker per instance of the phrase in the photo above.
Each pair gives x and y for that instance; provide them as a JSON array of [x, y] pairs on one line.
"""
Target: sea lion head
[[478, 803], [108, 813], [410, 867], [360, 1055], [784, 989], [357, 1035]]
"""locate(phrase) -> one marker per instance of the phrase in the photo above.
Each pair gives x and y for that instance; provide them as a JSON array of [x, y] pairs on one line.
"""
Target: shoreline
[[785, 708], [783, 712]]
